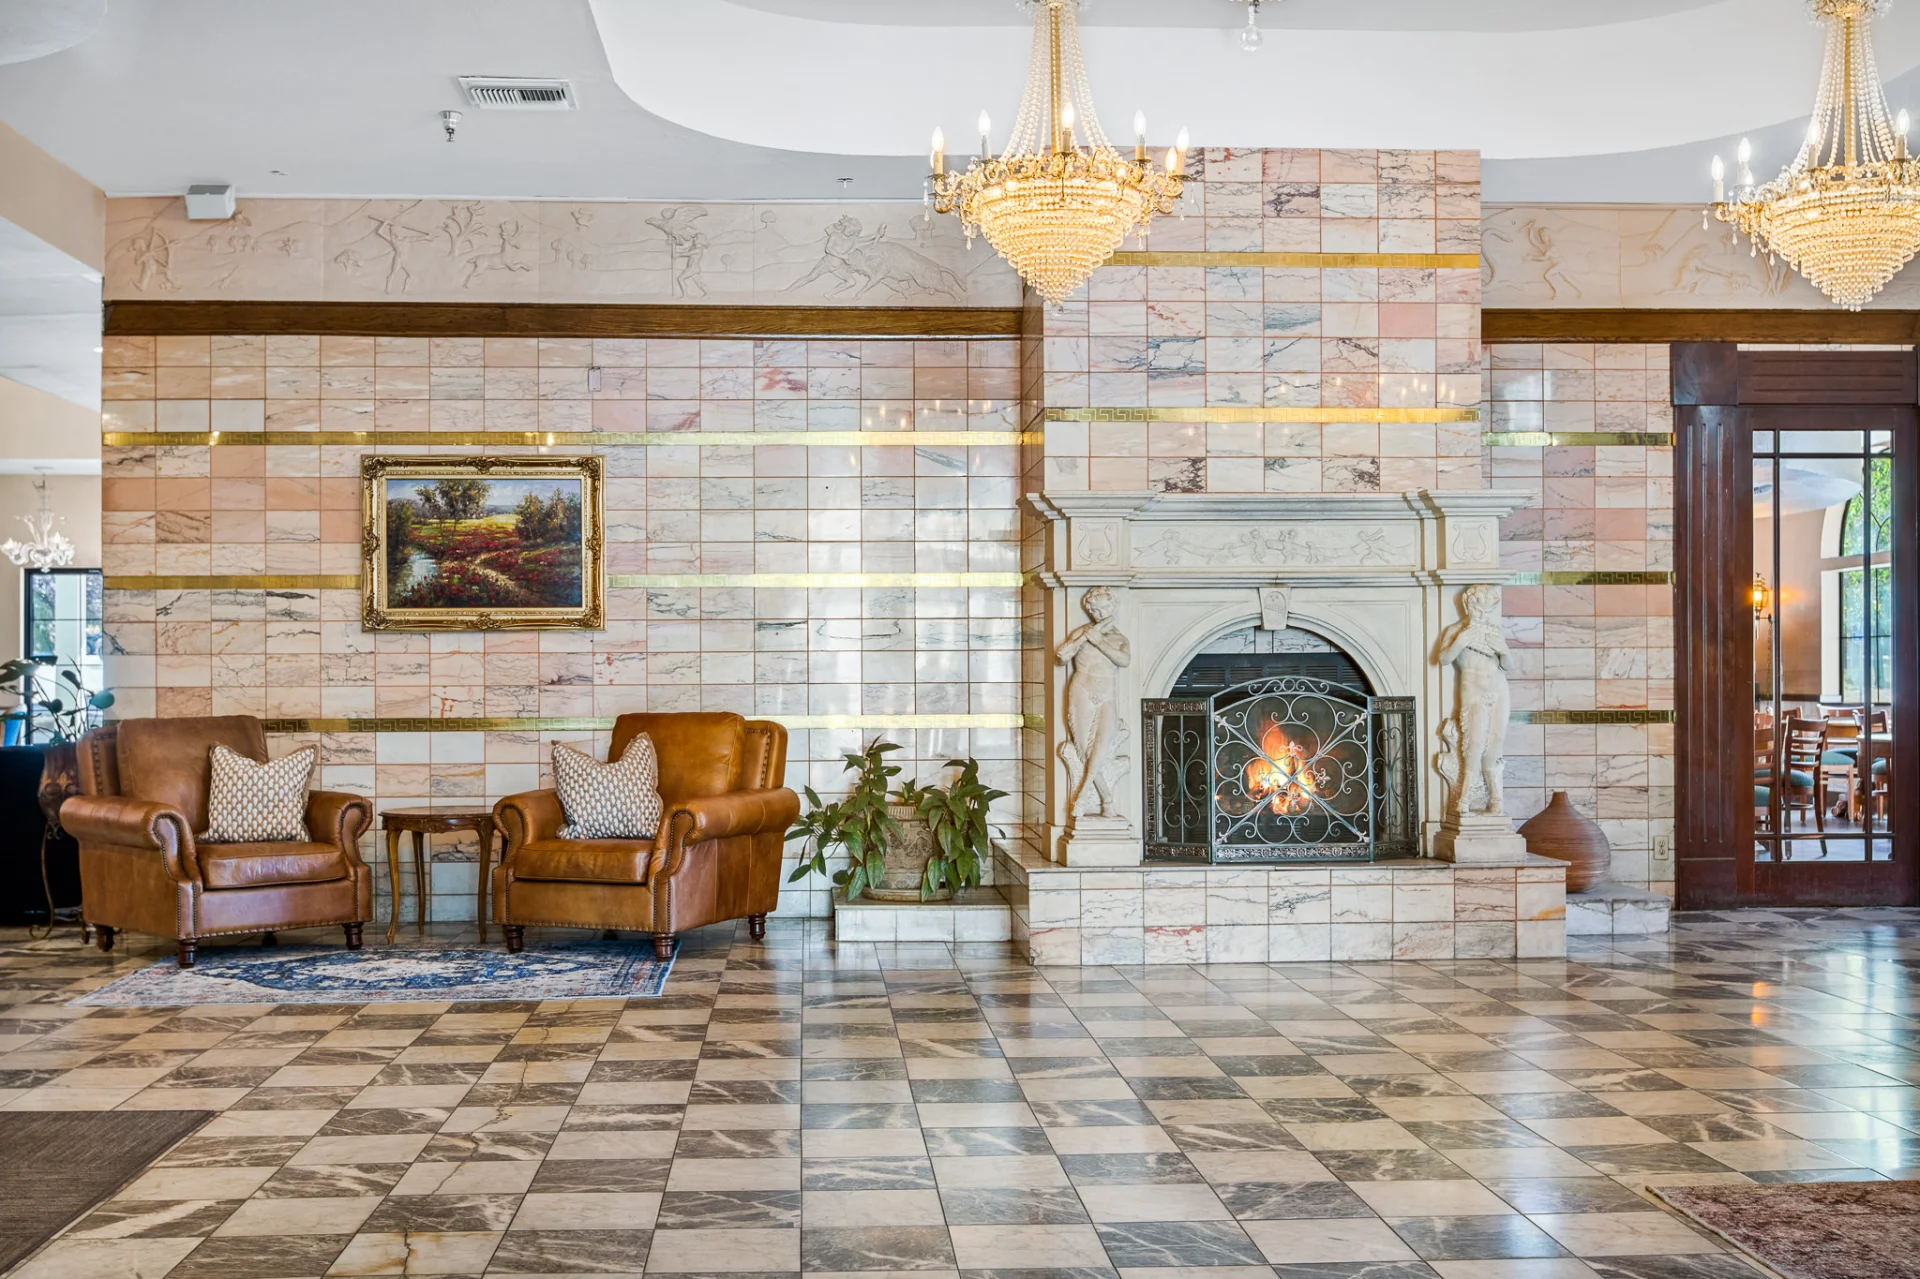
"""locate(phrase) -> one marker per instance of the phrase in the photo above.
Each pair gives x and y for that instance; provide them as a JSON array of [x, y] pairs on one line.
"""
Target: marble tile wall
[[1599, 647], [1300, 337], [787, 507], [428, 250]]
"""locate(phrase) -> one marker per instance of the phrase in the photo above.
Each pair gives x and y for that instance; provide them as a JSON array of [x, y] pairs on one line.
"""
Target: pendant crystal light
[[1060, 199], [1846, 212], [48, 549]]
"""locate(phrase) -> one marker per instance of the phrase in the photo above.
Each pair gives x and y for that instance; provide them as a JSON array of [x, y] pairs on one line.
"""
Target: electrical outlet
[[1663, 848]]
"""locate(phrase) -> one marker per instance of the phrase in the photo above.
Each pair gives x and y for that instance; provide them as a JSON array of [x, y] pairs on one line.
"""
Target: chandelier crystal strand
[[1846, 212], [1059, 199]]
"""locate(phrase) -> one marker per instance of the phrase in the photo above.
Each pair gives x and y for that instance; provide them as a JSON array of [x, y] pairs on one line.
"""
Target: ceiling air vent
[[517, 93]]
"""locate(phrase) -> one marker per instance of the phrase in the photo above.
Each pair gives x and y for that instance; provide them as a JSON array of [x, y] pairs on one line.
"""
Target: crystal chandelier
[[48, 549], [1846, 212], [1059, 200]]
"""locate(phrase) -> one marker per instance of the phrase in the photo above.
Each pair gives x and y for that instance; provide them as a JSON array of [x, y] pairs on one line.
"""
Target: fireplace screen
[[1282, 769]]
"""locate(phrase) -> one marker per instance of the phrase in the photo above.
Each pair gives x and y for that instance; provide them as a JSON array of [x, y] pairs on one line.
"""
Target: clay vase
[[1561, 832], [906, 860]]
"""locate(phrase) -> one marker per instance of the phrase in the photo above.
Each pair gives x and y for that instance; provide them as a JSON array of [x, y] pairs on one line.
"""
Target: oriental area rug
[[1819, 1230], [593, 969]]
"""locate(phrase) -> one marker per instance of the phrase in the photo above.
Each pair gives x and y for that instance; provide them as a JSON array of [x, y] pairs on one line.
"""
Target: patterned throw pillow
[[620, 800], [249, 802]]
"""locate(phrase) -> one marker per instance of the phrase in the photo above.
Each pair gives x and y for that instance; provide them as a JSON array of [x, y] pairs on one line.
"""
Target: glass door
[[1825, 755]]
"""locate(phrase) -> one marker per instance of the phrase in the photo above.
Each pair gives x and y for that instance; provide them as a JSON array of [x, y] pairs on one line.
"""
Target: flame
[[1281, 777]]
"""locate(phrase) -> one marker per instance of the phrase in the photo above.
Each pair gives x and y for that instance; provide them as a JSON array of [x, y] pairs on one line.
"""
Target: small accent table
[[434, 821]]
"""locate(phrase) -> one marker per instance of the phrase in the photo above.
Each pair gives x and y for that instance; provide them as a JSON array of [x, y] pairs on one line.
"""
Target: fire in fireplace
[[1281, 755]]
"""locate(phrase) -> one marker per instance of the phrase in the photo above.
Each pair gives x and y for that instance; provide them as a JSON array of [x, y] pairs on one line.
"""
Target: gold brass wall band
[[138, 317], [617, 581], [236, 582], [1250, 413], [1320, 261], [1603, 578], [812, 581], [1594, 717], [1576, 439], [569, 439], [540, 724]]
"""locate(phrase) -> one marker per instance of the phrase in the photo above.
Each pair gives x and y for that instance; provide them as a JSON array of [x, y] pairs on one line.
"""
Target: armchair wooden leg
[[516, 938], [663, 945], [757, 927], [187, 950], [354, 939], [105, 936]]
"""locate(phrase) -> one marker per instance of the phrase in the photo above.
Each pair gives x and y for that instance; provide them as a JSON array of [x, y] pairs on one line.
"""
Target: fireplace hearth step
[[978, 914], [1615, 910]]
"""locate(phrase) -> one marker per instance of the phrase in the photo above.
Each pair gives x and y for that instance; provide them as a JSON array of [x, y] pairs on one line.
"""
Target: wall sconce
[[1762, 596]]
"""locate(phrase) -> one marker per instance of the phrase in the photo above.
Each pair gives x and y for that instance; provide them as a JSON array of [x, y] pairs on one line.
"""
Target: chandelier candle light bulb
[[1719, 180], [1059, 199], [1846, 212], [939, 152]]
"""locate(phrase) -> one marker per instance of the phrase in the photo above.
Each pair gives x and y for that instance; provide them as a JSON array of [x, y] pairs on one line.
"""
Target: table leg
[[420, 884], [393, 880], [484, 828]]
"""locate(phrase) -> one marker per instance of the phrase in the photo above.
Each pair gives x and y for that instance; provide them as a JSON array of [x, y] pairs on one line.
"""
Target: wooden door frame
[[1721, 395]]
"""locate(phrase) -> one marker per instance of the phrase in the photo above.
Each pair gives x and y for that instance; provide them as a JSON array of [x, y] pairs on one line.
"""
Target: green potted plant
[[921, 843]]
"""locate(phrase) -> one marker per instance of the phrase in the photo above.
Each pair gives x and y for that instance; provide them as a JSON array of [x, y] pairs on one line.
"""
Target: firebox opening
[[1274, 748]]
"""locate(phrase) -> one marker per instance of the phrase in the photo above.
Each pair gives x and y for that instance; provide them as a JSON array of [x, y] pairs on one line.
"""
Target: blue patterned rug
[[394, 974]]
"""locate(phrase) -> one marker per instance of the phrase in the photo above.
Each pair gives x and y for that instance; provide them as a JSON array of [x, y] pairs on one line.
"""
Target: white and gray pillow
[[253, 803], [619, 800]]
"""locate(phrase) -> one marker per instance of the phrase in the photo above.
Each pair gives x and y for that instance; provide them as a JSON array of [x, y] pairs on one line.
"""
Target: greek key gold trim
[[562, 724], [1575, 439], [1603, 578], [1594, 717], [1248, 413], [237, 582], [1324, 261], [812, 581], [568, 439]]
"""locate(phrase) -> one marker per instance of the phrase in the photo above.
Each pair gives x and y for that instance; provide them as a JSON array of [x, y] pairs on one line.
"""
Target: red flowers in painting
[[470, 547]]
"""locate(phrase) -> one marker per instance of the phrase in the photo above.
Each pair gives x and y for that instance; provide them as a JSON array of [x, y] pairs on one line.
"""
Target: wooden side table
[[434, 821]]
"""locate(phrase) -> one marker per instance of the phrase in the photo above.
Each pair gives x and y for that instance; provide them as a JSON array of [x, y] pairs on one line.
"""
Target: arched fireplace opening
[[1273, 748]]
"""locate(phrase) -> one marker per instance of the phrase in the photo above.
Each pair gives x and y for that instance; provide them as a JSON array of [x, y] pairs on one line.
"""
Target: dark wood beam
[[558, 319], [1500, 324]]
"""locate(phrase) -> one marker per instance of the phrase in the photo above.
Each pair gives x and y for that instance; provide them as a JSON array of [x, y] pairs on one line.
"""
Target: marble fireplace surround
[[1379, 575]]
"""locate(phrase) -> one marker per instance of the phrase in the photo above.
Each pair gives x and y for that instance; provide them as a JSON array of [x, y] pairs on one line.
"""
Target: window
[[1866, 594], [63, 630]]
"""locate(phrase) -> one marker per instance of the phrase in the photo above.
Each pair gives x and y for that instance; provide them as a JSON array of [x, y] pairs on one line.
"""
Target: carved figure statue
[[1092, 653], [1474, 740]]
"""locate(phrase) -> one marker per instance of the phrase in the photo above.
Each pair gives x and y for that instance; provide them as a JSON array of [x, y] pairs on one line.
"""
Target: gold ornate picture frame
[[482, 543]]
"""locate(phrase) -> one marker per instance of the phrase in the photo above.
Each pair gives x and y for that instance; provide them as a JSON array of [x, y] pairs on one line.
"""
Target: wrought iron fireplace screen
[[1291, 768]]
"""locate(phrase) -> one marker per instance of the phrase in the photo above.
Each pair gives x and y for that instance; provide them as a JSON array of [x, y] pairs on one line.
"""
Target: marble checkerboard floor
[[804, 1106]]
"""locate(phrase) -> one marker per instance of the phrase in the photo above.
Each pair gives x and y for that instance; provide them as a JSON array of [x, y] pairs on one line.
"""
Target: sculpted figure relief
[[1092, 654], [1473, 741]]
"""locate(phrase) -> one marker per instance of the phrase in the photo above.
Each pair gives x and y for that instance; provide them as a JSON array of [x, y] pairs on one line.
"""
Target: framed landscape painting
[[481, 543]]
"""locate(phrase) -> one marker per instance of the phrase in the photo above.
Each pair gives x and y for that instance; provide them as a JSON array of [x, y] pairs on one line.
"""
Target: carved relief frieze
[[1277, 545]]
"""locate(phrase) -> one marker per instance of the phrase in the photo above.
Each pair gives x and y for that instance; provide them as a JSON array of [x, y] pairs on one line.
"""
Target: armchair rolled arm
[[528, 816], [340, 819], [741, 812], [137, 824]]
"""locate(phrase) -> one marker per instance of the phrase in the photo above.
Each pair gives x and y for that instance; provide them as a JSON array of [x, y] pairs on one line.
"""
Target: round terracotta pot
[[1561, 832], [906, 860]]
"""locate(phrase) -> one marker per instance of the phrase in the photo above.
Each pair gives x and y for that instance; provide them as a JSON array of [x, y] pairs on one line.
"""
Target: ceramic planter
[[1561, 832], [906, 860]]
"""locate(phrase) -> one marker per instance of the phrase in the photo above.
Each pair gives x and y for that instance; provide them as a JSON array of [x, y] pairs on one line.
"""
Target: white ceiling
[[776, 99]]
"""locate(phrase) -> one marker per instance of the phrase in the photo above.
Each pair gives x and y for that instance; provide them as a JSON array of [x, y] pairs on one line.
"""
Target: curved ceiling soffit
[[773, 80], [34, 28], [1337, 15]]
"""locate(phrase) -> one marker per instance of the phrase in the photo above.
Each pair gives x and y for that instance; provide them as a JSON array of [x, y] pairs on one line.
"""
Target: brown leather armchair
[[716, 856], [143, 794]]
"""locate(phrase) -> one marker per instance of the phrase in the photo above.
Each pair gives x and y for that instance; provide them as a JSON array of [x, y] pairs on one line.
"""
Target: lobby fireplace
[[1294, 762]]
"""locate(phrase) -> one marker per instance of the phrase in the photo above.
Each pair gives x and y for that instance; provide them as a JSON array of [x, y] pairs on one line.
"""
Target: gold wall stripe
[[1594, 717], [1248, 413], [1324, 261], [1602, 578], [1575, 439], [571, 439], [551, 724], [237, 582], [812, 581]]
